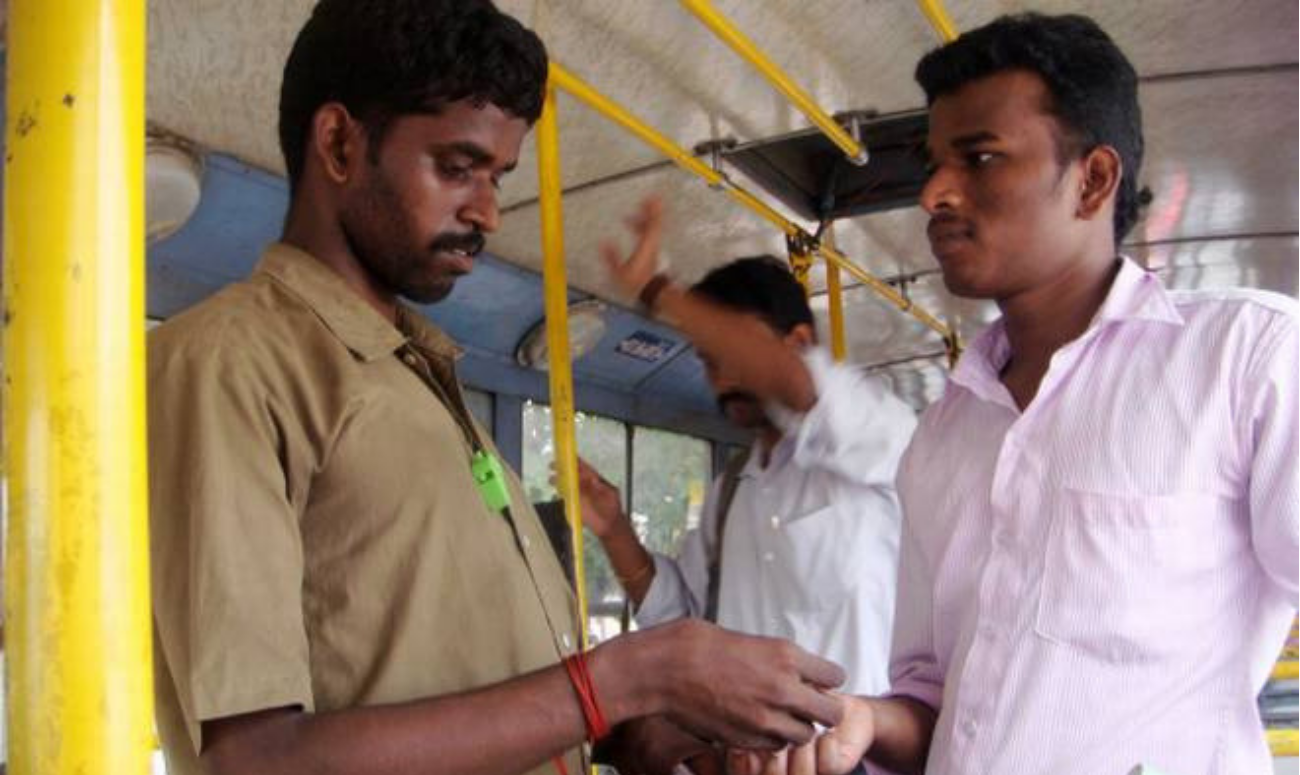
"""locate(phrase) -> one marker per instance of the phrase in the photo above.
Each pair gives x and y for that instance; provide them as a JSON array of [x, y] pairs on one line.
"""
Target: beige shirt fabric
[[317, 537]]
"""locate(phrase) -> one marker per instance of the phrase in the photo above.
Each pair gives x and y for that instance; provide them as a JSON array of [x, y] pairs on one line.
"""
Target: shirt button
[[526, 543], [409, 358], [567, 641], [768, 556], [776, 522], [970, 726]]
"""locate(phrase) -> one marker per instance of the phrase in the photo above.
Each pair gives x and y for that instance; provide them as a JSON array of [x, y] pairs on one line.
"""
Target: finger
[[790, 728], [743, 762], [840, 750], [817, 671], [813, 704], [610, 254], [835, 757], [650, 234], [776, 763], [803, 760]]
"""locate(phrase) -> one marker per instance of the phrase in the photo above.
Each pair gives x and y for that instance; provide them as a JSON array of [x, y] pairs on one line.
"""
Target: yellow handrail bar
[[563, 79], [727, 32], [555, 291], [77, 582], [939, 19]]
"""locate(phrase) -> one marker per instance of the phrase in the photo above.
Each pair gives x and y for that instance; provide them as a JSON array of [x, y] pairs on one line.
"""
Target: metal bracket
[[714, 150]]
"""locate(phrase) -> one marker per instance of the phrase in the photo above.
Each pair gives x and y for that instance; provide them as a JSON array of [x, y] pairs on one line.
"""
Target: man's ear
[[337, 141], [1102, 172], [802, 335]]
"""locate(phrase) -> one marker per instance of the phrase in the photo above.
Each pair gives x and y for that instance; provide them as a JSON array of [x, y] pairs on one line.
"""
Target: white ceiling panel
[[1221, 150], [1221, 156]]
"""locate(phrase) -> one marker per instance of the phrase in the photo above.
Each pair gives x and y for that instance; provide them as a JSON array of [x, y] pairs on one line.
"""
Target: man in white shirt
[[801, 542], [1099, 552]]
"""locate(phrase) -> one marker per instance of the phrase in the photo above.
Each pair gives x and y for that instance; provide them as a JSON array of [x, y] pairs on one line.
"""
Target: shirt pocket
[[1122, 574], [815, 552]]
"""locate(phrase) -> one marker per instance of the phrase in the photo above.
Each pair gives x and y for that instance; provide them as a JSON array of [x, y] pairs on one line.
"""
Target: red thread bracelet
[[592, 715]]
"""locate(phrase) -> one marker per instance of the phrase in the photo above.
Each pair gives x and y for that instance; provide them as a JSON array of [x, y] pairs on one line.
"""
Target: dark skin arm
[[754, 692], [741, 352], [742, 346], [602, 513]]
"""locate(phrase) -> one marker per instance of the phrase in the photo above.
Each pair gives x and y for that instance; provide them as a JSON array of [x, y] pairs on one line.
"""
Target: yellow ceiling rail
[[76, 589], [939, 19], [835, 299], [742, 45], [555, 292], [561, 78]]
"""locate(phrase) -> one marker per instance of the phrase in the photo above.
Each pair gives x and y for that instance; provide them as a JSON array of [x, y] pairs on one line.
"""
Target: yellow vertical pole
[[77, 581], [835, 298], [555, 289]]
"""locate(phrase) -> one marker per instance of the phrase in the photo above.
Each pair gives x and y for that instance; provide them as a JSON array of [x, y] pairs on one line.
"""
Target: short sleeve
[[227, 557]]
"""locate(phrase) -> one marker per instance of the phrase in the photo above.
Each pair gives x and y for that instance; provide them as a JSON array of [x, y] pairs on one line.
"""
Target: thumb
[[839, 750]]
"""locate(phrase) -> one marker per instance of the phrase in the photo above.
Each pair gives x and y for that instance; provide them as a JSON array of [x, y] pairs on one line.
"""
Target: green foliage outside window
[[670, 476]]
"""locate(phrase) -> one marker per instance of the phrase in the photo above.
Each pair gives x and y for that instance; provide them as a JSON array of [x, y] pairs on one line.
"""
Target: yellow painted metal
[[563, 79], [939, 19], [555, 290], [835, 299], [742, 45], [1283, 742], [77, 582], [801, 262], [1286, 669]]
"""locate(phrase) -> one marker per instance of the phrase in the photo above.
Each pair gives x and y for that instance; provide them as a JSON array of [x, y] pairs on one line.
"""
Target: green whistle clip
[[491, 480]]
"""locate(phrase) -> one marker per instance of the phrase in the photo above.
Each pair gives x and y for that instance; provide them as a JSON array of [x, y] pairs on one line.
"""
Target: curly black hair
[[762, 285], [1093, 86], [384, 58]]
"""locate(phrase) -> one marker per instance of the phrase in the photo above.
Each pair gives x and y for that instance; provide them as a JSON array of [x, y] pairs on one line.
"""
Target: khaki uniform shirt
[[317, 537]]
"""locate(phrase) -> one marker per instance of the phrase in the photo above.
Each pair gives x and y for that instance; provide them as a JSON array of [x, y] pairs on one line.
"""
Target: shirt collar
[[356, 324], [1134, 295]]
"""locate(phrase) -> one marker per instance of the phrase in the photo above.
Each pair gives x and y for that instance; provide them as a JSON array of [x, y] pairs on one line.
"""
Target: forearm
[[510, 727], [903, 728], [750, 350], [631, 561]]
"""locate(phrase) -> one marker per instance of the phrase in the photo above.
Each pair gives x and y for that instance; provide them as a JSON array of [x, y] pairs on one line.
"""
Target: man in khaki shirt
[[332, 592]]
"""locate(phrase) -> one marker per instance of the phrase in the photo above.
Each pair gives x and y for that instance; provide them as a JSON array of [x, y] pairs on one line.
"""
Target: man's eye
[[454, 171], [980, 158]]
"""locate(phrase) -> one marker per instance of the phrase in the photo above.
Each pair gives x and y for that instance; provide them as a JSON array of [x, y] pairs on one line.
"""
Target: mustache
[[735, 396], [470, 242], [946, 222]]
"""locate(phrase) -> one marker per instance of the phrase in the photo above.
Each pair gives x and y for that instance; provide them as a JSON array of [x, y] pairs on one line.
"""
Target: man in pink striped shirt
[[1099, 550]]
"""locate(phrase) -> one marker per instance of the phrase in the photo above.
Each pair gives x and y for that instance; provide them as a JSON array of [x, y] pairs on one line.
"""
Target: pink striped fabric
[[1105, 579]]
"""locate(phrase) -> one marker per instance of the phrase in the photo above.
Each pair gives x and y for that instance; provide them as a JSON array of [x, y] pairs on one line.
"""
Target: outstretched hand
[[835, 752], [631, 273]]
